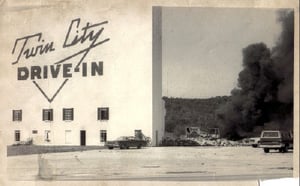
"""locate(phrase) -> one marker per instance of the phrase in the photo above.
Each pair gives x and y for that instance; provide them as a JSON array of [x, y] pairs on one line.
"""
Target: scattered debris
[[200, 141]]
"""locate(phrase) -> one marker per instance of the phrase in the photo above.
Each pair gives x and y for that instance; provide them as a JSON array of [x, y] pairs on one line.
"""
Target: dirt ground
[[154, 163]]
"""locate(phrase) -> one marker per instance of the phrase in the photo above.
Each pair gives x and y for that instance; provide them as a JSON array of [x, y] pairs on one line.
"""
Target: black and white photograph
[[227, 84], [152, 92]]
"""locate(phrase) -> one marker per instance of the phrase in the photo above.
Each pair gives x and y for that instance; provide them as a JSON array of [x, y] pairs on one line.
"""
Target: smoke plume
[[264, 96]]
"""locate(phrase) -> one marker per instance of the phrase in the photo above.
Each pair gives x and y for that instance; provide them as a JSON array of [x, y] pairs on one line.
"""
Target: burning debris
[[265, 86]]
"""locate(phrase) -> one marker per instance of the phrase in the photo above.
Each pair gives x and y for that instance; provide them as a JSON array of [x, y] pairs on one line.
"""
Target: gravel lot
[[154, 163]]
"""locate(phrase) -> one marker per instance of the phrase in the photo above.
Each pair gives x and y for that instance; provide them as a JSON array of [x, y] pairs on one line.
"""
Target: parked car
[[254, 142], [125, 142], [167, 141], [276, 140], [186, 142]]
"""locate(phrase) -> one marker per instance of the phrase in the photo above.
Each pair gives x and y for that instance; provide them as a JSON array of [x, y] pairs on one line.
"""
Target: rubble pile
[[201, 142]]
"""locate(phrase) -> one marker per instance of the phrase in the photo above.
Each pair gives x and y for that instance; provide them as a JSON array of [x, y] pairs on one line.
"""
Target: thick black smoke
[[264, 96]]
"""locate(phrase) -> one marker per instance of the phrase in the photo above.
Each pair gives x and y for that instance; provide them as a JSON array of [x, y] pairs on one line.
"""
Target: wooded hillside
[[182, 113]]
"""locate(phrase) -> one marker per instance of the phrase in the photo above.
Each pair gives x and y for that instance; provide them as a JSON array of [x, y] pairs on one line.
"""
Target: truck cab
[[276, 140]]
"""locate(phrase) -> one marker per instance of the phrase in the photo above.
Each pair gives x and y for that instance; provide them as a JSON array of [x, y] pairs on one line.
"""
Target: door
[[82, 137], [68, 136], [138, 134], [47, 136]]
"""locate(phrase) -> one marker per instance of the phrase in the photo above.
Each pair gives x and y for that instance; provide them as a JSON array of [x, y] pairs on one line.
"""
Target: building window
[[17, 135], [103, 135], [103, 113], [68, 114], [17, 115], [47, 135], [34, 131], [47, 114]]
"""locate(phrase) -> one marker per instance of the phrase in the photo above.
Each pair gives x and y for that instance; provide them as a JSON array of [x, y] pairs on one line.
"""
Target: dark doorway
[[82, 137]]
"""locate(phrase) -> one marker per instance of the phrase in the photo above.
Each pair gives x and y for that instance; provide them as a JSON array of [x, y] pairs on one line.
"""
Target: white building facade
[[80, 81]]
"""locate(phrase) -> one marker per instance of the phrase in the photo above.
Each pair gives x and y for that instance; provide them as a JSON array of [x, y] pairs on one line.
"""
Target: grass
[[39, 149]]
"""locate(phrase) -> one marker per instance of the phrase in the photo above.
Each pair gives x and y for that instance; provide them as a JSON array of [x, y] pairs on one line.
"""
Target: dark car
[[276, 140], [125, 142], [186, 142]]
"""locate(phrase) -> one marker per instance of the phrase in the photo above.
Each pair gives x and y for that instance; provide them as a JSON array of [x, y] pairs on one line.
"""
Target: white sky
[[202, 47]]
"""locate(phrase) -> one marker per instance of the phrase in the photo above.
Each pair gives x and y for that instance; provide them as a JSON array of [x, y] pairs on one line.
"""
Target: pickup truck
[[276, 140], [125, 142]]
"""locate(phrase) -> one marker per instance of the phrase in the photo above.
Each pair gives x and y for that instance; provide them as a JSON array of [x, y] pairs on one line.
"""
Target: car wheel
[[110, 148], [139, 146], [266, 150], [281, 150], [285, 148]]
